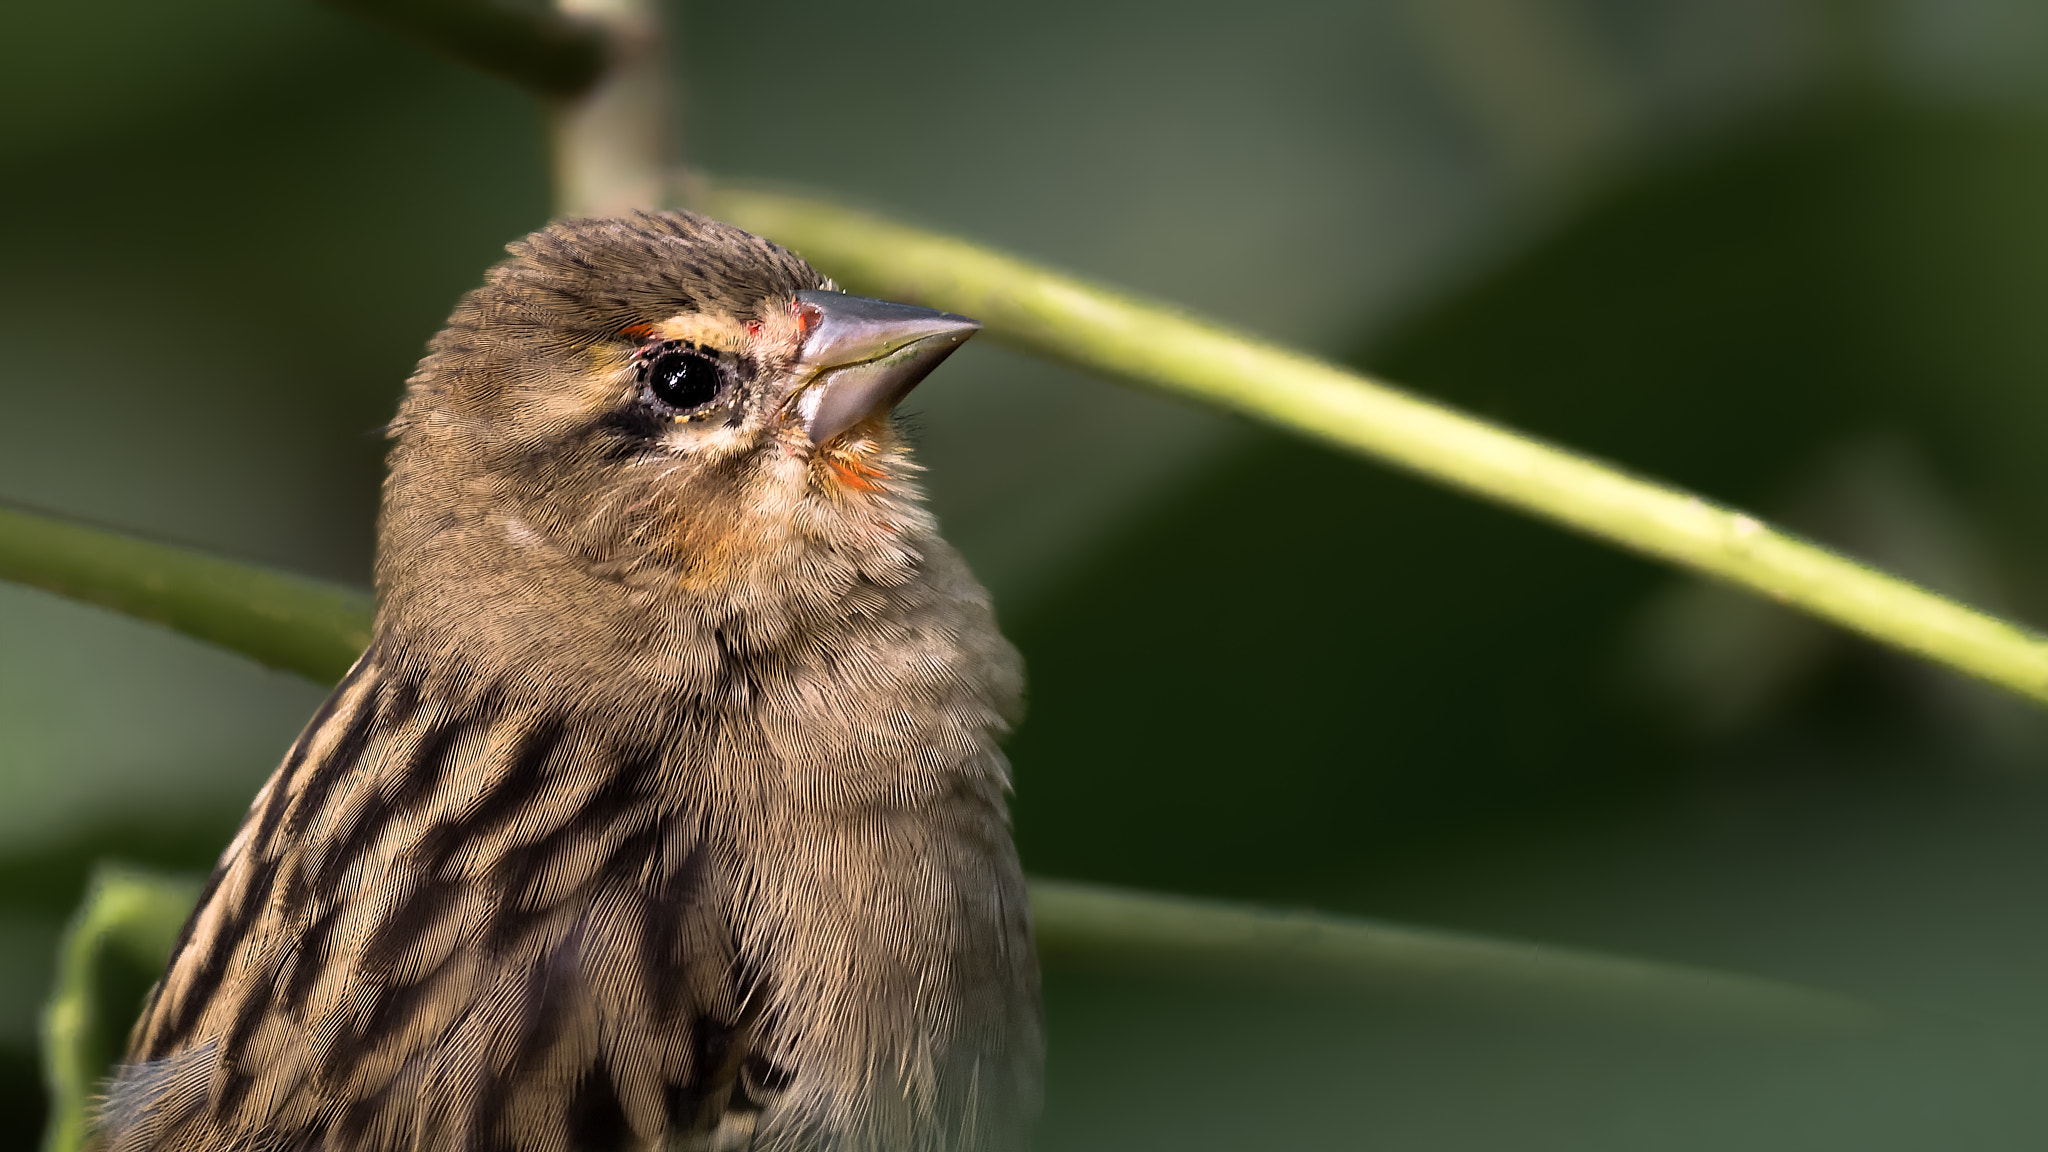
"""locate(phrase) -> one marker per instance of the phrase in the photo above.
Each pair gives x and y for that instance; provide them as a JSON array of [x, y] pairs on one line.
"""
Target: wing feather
[[447, 925]]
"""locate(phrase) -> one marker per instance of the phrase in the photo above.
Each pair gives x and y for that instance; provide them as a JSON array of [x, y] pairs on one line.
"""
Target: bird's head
[[658, 416]]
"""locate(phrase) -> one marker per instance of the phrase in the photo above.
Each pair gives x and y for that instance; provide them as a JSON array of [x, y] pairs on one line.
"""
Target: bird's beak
[[866, 355]]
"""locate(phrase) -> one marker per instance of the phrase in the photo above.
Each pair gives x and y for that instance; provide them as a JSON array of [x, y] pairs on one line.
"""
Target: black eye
[[683, 380]]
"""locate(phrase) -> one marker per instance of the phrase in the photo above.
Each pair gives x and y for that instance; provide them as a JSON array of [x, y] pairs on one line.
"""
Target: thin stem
[[316, 629], [602, 65], [527, 44], [290, 622], [1081, 926], [1102, 330], [611, 142], [136, 915]]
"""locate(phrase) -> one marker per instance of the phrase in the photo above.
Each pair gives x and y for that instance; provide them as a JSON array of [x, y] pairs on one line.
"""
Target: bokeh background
[[1791, 253]]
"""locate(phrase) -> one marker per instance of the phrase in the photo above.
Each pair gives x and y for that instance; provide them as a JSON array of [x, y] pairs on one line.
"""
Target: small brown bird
[[664, 811]]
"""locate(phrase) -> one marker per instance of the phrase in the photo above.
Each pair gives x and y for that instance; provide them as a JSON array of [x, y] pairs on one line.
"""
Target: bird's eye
[[684, 380]]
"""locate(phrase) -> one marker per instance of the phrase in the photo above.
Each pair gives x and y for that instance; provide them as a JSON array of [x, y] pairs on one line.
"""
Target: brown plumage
[[665, 809]]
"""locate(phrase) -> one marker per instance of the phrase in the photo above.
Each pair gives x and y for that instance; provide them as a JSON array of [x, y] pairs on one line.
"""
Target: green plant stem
[[610, 142], [290, 622], [528, 44], [1088, 926], [601, 65], [610, 137], [136, 915], [316, 629], [1102, 330]]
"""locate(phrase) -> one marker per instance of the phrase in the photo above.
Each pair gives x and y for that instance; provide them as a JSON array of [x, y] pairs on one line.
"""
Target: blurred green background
[[1792, 253]]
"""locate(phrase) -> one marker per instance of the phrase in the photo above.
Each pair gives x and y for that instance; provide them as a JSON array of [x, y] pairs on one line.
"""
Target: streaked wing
[[451, 925]]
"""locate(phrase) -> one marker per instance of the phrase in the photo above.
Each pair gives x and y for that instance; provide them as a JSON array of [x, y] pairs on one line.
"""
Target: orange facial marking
[[854, 472], [637, 331], [854, 476]]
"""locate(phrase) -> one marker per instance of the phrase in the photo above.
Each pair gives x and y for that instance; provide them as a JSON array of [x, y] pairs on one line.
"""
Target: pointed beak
[[867, 355]]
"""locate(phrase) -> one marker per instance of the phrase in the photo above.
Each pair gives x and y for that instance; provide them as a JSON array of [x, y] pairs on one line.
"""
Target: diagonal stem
[[137, 915], [1102, 330], [608, 143], [316, 629], [611, 141], [1090, 926], [532, 46], [301, 625]]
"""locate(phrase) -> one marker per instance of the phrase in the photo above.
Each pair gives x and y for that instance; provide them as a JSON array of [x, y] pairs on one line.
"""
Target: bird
[[666, 807]]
